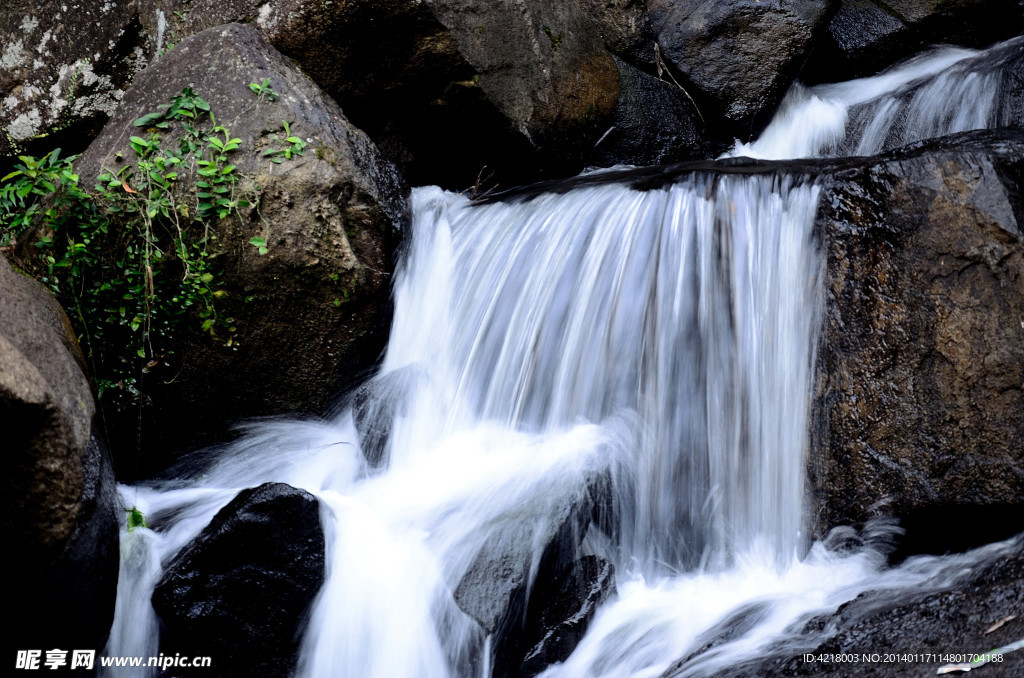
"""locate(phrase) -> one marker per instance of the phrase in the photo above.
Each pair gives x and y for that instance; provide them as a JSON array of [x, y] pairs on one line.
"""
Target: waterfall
[[688, 311], [658, 343]]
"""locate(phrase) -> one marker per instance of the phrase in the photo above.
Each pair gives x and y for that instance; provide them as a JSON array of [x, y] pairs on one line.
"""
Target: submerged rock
[[312, 311], [527, 588], [376, 403], [60, 508], [240, 592], [558, 615], [542, 536]]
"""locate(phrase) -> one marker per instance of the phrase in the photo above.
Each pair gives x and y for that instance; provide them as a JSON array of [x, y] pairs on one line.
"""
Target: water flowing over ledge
[[645, 353]]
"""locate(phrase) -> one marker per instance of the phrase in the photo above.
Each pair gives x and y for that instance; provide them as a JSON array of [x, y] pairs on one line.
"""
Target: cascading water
[[661, 339], [941, 92]]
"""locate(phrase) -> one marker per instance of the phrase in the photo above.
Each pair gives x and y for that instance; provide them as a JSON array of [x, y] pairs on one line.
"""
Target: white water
[[941, 92], [664, 338]]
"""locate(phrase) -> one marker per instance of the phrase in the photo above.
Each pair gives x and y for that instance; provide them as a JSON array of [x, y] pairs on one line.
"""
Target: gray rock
[[557, 617], [313, 312], [625, 27], [955, 614], [865, 37], [739, 56], [654, 124], [63, 69], [376, 403], [428, 80], [540, 539]]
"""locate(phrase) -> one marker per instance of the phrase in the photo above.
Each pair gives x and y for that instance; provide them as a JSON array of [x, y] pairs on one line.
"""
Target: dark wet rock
[[953, 617], [63, 69], [558, 615], [654, 124], [865, 37], [240, 592], [920, 388], [313, 312], [60, 508], [738, 56]]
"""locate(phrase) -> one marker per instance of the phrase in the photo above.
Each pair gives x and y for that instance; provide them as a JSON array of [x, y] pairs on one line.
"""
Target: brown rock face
[[312, 312], [60, 510], [47, 407], [921, 360]]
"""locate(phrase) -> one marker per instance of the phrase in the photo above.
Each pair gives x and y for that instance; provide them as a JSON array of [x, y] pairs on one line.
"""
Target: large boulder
[[625, 27], [63, 69], [919, 408], [312, 310], [739, 56], [60, 508], [866, 36], [240, 592]]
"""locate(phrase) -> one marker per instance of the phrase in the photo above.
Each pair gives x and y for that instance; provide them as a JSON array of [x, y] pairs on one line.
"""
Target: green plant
[[296, 146], [264, 90], [135, 519], [136, 260], [556, 40]]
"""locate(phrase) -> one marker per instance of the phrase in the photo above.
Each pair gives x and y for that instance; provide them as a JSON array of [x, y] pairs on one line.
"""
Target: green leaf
[[258, 242], [148, 119]]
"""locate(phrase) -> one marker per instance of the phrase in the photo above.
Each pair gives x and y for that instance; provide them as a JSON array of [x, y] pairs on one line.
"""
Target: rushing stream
[[661, 340]]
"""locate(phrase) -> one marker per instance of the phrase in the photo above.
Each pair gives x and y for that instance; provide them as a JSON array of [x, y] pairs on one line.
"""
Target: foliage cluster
[[135, 259]]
